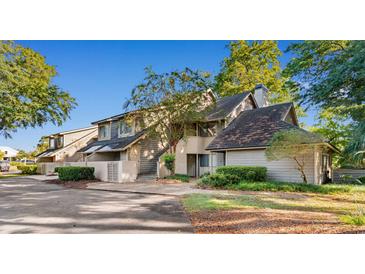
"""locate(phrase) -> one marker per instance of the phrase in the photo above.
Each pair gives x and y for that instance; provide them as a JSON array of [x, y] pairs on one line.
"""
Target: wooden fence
[[348, 174]]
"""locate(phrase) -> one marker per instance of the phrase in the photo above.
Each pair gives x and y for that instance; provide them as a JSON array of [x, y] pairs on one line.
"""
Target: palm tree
[[356, 147]]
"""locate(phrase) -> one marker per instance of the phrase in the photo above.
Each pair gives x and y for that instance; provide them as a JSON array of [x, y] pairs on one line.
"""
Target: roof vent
[[261, 96]]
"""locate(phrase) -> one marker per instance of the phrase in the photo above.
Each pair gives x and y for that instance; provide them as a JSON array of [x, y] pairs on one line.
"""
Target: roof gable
[[253, 128], [224, 106]]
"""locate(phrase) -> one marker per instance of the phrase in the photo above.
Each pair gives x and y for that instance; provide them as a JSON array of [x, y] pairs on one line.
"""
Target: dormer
[[56, 141], [104, 131], [125, 128]]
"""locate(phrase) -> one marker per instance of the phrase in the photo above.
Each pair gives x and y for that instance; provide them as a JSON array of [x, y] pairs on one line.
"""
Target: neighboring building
[[235, 132], [9, 153], [64, 146], [121, 141]]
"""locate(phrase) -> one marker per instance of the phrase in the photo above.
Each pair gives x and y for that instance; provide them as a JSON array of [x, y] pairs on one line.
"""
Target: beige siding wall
[[70, 154], [72, 137], [283, 170], [192, 145]]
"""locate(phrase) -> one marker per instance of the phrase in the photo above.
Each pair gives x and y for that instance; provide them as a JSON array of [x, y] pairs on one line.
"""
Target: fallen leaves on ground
[[72, 184], [252, 221]]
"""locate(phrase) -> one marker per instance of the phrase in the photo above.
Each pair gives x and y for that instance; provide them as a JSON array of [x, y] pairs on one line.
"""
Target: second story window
[[59, 142], [104, 132], [207, 129], [125, 129], [52, 143]]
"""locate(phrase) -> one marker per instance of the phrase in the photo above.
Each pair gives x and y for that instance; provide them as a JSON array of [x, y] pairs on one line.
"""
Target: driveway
[[28, 205]]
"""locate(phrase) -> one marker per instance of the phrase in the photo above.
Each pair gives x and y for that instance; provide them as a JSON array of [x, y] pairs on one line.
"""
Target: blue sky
[[101, 74]]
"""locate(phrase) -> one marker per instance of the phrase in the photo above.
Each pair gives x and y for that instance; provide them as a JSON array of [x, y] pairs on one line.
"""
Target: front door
[[325, 168], [191, 165]]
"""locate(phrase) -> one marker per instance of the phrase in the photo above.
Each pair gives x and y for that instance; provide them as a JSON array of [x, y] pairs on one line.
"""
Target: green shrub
[[247, 173], [75, 173], [28, 169], [219, 180], [362, 179], [17, 164], [56, 169], [204, 174], [169, 160], [353, 220], [179, 177]]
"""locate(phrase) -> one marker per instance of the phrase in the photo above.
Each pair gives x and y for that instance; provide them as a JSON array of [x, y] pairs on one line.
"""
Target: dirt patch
[[168, 181], [72, 184], [262, 221]]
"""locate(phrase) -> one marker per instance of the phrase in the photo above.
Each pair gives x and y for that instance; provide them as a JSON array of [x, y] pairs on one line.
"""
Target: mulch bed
[[263, 221], [72, 184], [168, 181]]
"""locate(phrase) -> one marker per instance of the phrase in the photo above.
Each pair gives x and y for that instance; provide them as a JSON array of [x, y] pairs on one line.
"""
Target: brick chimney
[[260, 93]]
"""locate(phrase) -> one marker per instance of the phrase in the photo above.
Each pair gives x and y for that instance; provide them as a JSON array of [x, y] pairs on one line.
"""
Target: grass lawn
[[4, 176], [294, 187], [279, 212]]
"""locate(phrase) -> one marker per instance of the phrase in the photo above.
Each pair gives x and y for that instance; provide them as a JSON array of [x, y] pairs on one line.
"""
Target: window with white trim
[[104, 132], [52, 143], [125, 129]]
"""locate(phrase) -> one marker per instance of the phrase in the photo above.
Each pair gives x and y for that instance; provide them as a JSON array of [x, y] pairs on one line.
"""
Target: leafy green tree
[[330, 76], [43, 145], [336, 132], [22, 154], [355, 150], [28, 98], [167, 102], [2, 155], [249, 64], [293, 144]]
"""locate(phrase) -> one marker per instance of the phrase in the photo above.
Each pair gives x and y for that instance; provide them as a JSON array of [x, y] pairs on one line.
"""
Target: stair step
[[147, 177]]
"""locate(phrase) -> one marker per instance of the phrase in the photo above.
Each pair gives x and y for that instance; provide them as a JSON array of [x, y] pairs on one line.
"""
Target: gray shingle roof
[[47, 153], [253, 128], [225, 106], [111, 118], [111, 145]]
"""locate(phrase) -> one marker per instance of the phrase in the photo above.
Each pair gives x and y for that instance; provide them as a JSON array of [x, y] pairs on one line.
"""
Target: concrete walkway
[[29, 205], [153, 187]]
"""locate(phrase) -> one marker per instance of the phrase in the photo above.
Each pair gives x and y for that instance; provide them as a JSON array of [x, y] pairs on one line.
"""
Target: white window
[[104, 132], [125, 129], [52, 143]]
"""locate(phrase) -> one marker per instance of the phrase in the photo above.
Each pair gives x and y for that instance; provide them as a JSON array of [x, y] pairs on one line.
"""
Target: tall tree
[[330, 75], [167, 102], [249, 64], [28, 97]]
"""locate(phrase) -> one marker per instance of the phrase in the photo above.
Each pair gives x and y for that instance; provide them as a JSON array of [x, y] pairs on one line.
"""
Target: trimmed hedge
[[247, 173], [28, 169], [220, 180], [75, 173]]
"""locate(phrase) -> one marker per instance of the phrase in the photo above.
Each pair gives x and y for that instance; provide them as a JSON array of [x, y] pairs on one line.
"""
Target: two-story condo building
[[64, 146], [236, 132]]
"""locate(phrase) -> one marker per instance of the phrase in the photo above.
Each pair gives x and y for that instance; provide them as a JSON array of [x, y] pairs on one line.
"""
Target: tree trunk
[[301, 170]]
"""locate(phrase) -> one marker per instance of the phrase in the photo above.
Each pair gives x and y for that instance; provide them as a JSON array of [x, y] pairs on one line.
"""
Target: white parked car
[[4, 166]]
